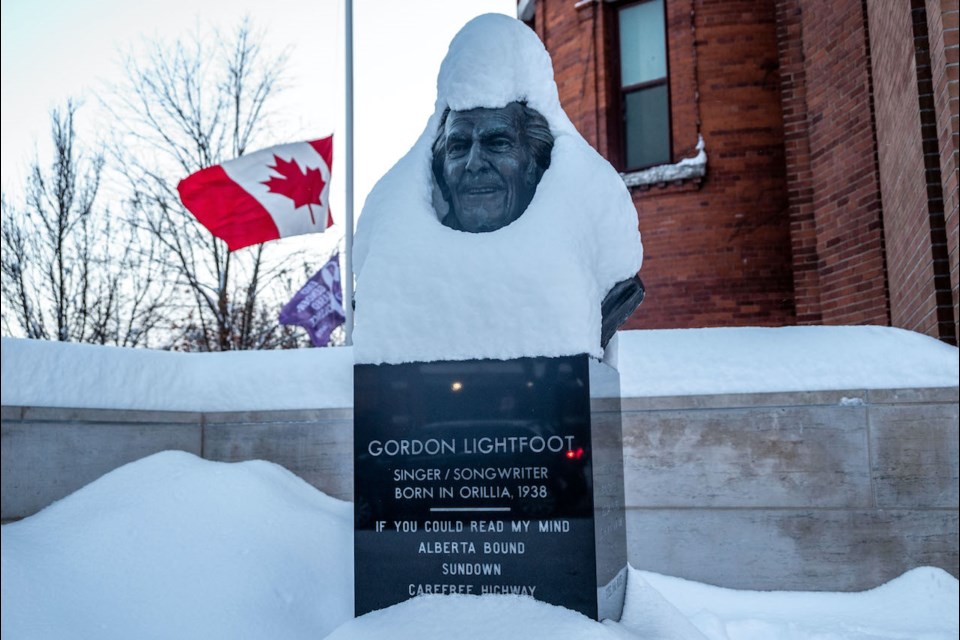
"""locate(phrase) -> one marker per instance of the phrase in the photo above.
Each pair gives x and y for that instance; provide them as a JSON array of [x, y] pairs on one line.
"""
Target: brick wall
[[942, 24], [717, 252], [831, 193], [831, 160], [910, 168], [803, 223], [903, 180]]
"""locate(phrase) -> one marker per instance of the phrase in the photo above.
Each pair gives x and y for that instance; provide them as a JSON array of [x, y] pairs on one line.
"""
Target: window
[[644, 91]]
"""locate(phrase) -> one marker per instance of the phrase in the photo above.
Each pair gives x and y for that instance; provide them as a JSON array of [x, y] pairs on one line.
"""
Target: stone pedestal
[[489, 477]]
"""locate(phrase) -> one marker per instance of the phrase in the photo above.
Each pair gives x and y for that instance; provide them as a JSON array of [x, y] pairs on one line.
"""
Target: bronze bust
[[487, 164]]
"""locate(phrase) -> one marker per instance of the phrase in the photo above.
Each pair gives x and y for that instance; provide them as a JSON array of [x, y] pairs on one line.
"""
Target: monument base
[[489, 477]]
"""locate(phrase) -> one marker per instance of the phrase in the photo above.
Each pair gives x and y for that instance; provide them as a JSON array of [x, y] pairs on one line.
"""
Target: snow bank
[[53, 374], [757, 360], [173, 546], [652, 363], [474, 618], [922, 604], [426, 292]]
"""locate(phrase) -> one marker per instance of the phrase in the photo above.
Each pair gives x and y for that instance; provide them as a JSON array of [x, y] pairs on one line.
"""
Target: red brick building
[[829, 194]]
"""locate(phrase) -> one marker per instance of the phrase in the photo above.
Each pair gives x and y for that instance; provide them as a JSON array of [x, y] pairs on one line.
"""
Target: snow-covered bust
[[454, 263]]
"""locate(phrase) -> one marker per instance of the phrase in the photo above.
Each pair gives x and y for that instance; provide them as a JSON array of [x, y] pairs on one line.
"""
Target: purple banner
[[318, 306]]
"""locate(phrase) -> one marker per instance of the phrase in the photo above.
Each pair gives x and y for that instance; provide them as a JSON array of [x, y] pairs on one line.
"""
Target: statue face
[[489, 172]]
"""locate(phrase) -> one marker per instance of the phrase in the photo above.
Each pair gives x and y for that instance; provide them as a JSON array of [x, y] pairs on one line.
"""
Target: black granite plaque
[[474, 477]]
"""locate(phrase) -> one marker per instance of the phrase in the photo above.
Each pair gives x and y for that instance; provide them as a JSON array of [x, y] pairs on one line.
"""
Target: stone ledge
[[930, 395], [11, 413], [837, 397], [278, 416], [840, 397], [101, 416]]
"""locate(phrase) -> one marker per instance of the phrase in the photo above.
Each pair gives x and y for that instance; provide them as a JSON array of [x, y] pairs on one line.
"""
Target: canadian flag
[[273, 193]]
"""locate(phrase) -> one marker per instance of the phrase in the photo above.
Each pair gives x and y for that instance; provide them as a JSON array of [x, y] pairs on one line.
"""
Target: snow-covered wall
[[838, 482], [838, 489], [651, 363]]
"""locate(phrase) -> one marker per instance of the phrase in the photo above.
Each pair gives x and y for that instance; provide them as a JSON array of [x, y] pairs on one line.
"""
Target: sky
[[54, 49]]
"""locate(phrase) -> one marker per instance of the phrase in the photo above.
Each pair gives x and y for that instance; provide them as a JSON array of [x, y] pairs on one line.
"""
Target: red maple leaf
[[303, 187]]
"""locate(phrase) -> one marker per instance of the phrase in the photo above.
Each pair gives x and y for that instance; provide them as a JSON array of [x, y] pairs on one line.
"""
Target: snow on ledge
[[675, 362], [695, 167], [51, 374], [667, 362]]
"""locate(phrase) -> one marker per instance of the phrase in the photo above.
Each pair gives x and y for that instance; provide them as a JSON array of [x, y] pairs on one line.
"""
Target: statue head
[[488, 162]]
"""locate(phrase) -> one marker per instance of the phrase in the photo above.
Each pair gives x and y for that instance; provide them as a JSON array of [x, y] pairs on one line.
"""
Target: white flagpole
[[348, 224]]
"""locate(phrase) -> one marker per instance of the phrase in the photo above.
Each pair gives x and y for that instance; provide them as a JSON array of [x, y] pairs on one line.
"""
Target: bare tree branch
[[185, 106], [68, 272]]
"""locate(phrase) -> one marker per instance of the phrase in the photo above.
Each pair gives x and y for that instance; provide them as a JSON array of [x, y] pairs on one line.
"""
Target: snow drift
[[173, 546]]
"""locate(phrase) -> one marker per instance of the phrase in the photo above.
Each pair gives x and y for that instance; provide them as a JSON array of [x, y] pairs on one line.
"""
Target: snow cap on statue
[[425, 292], [489, 71]]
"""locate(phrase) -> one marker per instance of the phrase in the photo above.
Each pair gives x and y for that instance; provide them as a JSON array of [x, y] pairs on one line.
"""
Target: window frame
[[622, 92]]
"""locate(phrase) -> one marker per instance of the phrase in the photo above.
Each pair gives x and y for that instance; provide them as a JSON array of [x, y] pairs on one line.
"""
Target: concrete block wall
[[316, 445], [48, 453], [837, 490], [831, 490]]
